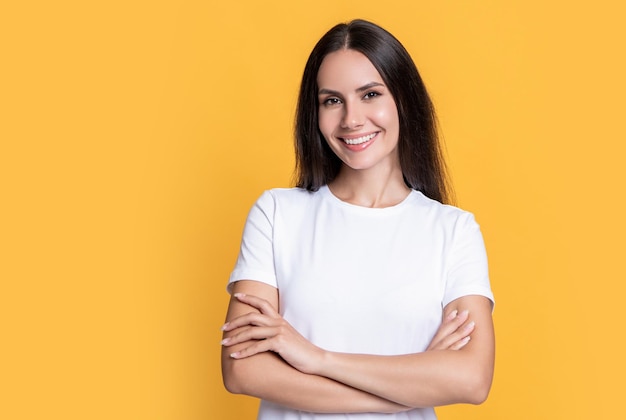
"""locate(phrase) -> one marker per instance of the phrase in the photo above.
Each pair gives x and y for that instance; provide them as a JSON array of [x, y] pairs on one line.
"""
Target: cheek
[[388, 119], [325, 123], [386, 115]]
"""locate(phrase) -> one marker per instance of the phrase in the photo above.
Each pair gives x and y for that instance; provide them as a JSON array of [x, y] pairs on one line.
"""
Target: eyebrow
[[359, 90]]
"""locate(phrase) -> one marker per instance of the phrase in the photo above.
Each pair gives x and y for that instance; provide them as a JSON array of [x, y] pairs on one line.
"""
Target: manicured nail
[[225, 341], [469, 326], [224, 327], [465, 341], [452, 314], [234, 355]]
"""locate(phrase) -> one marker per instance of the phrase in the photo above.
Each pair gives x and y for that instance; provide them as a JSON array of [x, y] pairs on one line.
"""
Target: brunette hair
[[421, 157]]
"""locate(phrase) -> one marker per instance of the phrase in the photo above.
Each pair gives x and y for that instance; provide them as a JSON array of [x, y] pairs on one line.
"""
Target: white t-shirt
[[361, 280]]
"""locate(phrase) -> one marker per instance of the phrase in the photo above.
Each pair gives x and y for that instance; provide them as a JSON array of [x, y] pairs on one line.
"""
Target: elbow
[[247, 376], [476, 389], [478, 395], [231, 385], [475, 382], [232, 377]]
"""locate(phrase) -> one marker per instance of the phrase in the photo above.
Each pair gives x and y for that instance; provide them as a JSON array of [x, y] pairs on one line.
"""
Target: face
[[357, 113]]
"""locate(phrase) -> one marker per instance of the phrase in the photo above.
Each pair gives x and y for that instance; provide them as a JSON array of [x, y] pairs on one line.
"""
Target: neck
[[370, 188]]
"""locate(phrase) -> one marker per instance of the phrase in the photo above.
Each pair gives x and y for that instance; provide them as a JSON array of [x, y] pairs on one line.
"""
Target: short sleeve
[[256, 255], [467, 270]]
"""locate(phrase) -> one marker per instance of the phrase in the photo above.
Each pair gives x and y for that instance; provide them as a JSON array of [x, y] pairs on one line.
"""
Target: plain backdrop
[[135, 135]]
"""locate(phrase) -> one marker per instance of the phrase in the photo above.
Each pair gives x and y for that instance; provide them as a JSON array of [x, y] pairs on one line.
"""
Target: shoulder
[[281, 201], [287, 197], [290, 194], [443, 213], [444, 220]]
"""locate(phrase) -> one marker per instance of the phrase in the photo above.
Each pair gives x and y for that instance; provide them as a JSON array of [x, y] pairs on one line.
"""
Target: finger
[[261, 304], [458, 335], [460, 344], [449, 333], [257, 347], [451, 315], [450, 324], [253, 318], [250, 334], [461, 317]]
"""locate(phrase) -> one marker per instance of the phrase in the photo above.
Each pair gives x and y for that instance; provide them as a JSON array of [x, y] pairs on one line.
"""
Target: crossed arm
[[263, 356]]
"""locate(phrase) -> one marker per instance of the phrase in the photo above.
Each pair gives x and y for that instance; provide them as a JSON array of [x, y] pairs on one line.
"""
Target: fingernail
[[224, 327], [452, 314], [469, 326], [239, 295], [225, 341], [466, 340], [234, 355]]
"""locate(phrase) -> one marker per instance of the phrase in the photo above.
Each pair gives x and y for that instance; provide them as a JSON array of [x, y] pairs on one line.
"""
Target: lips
[[354, 141]]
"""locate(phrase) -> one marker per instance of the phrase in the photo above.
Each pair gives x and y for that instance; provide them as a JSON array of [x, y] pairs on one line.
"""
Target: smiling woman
[[357, 113], [360, 293]]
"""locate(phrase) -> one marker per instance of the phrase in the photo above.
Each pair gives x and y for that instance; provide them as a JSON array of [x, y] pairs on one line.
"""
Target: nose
[[352, 116]]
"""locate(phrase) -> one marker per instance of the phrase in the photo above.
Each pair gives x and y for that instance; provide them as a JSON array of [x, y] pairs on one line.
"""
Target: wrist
[[324, 364]]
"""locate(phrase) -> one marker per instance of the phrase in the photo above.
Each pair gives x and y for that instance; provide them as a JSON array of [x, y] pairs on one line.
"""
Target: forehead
[[346, 69]]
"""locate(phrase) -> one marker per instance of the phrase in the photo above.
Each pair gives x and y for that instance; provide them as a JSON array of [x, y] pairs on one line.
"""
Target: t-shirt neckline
[[333, 198]]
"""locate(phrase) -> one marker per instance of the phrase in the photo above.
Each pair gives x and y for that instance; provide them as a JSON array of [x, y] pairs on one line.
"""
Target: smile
[[359, 140]]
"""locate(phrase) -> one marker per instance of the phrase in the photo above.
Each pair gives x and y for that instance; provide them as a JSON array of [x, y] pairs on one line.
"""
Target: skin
[[266, 375], [264, 356], [355, 102]]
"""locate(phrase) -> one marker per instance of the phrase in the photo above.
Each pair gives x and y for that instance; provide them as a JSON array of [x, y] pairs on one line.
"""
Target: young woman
[[360, 294]]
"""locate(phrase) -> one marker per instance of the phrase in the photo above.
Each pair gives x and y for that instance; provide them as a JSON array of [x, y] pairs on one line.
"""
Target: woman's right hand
[[267, 331], [453, 333]]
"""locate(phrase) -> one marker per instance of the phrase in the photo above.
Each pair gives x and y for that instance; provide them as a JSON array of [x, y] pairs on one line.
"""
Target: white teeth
[[359, 140]]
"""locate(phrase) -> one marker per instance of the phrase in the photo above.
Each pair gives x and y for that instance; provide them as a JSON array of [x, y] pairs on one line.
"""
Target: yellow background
[[135, 135]]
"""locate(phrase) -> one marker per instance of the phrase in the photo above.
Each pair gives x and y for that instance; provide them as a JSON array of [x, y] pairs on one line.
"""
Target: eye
[[331, 101], [371, 95]]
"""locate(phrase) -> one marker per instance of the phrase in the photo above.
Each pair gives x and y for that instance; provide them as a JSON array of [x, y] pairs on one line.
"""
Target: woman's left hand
[[453, 333], [268, 331]]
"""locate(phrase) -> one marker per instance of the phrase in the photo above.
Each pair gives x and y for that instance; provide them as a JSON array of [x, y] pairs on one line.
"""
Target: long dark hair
[[421, 157]]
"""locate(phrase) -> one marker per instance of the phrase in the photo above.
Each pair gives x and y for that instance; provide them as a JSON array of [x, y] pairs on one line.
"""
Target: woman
[[358, 293]]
